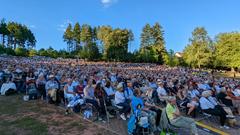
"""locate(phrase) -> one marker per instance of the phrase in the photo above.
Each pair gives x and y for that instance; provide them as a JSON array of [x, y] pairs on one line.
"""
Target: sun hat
[[206, 93]]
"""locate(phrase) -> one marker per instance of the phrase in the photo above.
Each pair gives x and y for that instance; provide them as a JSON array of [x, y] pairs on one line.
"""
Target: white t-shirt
[[119, 97]]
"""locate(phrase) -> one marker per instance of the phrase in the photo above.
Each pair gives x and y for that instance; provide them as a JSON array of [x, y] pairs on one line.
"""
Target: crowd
[[142, 93]]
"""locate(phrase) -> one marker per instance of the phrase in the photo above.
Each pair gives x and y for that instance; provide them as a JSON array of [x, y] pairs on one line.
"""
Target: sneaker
[[123, 117], [226, 127], [110, 116], [67, 112], [230, 116], [104, 121], [100, 119]]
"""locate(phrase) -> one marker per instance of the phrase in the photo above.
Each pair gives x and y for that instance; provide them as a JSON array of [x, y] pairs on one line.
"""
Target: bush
[[9, 51], [21, 52]]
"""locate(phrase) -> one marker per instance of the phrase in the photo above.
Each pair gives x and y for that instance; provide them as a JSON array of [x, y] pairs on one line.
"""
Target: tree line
[[111, 44], [16, 35], [222, 51]]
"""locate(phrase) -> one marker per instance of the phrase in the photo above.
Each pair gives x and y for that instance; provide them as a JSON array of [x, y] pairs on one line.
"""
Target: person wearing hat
[[128, 91], [210, 106], [176, 119], [121, 101], [51, 88], [162, 93]]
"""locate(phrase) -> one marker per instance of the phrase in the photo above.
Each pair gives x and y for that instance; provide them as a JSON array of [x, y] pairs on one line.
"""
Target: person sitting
[[41, 82], [235, 99], [153, 110], [193, 95], [79, 88], [69, 90], [89, 94], [69, 93], [162, 93], [100, 95], [51, 89], [176, 119], [8, 87], [18, 80], [109, 90], [121, 101], [128, 91], [210, 106], [224, 98]]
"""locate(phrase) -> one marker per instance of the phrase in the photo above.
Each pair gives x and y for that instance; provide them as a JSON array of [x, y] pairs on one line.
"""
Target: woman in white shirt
[[69, 90], [120, 100], [109, 90]]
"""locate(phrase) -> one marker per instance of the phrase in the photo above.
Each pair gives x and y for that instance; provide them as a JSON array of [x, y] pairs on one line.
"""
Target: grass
[[34, 126], [18, 117]]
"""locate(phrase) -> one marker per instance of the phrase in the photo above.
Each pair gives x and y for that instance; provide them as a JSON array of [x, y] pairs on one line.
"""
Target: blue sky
[[48, 18]]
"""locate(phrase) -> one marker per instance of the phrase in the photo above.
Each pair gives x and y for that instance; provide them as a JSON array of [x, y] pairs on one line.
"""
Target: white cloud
[[63, 26], [107, 3]]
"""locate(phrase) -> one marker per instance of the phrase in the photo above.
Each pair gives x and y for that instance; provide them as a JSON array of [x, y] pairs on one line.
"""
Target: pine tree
[[86, 34], [146, 37], [3, 31], [68, 37], [159, 43], [77, 36]]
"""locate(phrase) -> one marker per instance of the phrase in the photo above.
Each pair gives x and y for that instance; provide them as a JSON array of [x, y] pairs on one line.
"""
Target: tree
[[94, 34], [32, 52], [3, 31], [146, 37], [86, 34], [77, 36], [159, 43], [20, 35], [171, 59], [152, 40], [90, 52], [103, 35], [63, 54], [68, 37], [51, 52], [43, 52], [117, 44], [227, 50], [197, 53], [21, 52]]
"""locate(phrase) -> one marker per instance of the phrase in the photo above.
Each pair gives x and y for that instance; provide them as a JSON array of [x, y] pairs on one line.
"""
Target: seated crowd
[[145, 90]]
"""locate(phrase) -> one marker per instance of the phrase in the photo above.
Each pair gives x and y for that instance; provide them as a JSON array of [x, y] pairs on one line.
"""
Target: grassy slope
[[38, 118]]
